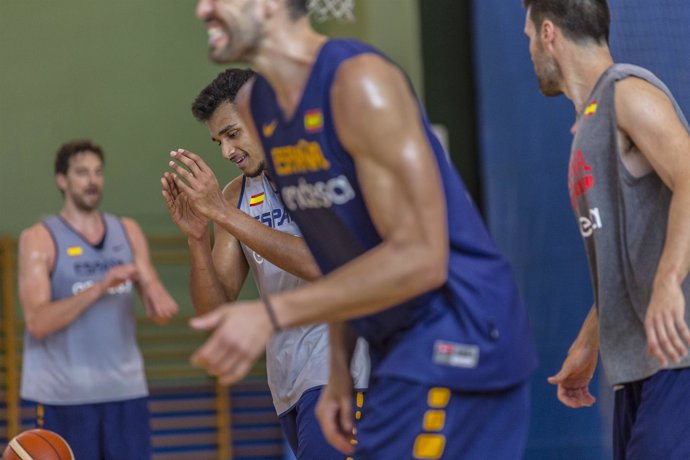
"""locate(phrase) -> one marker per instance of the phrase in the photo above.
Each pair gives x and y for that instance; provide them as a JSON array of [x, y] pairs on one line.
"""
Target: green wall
[[124, 73], [121, 72]]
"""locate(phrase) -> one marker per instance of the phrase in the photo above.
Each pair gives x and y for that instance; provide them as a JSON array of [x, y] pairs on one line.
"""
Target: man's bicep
[[34, 257], [378, 121], [647, 116]]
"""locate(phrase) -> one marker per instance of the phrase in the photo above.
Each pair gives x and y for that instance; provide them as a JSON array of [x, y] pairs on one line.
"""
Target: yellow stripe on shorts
[[438, 397], [434, 420], [429, 446]]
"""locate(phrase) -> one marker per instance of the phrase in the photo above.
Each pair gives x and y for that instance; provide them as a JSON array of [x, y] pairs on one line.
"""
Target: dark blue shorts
[[303, 432], [652, 418], [106, 431], [408, 420]]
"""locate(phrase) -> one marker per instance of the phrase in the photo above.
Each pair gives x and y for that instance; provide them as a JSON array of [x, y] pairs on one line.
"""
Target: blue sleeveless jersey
[[470, 334]]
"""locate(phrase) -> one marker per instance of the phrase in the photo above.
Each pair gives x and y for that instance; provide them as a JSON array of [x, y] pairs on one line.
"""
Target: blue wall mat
[[655, 35], [524, 143]]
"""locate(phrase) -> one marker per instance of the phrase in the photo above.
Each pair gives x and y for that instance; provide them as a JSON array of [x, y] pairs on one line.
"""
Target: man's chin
[[550, 90], [89, 206], [256, 173], [220, 56]]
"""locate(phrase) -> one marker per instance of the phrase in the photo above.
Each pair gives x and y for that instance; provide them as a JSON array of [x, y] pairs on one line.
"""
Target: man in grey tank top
[[81, 362], [253, 231], [629, 181]]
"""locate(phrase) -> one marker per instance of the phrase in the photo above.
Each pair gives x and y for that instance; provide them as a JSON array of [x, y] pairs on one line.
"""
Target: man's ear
[[61, 181], [547, 32]]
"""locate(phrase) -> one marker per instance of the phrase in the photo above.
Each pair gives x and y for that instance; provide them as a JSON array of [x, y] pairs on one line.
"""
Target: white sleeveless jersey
[[296, 359], [94, 359]]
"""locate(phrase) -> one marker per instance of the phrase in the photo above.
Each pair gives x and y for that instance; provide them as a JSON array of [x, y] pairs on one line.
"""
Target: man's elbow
[[36, 330], [439, 276], [311, 273], [434, 273]]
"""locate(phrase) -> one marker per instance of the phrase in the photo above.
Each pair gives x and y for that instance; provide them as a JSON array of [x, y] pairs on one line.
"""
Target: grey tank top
[[296, 359], [95, 358], [623, 221]]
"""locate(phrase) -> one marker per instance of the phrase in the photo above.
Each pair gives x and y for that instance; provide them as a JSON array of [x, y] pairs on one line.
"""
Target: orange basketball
[[38, 444]]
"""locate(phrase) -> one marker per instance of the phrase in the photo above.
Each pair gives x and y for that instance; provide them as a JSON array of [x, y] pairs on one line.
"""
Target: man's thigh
[[127, 430], [659, 425], [404, 420], [78, 424]]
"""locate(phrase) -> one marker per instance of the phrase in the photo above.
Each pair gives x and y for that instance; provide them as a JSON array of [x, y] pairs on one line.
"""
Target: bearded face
[[234, 29], [546, 67], [548, 72], [82, 184]]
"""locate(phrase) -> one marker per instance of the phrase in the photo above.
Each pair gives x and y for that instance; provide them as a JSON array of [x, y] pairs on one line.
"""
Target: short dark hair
[[72, 148], [297, 8], [580, 20], [222, 89]]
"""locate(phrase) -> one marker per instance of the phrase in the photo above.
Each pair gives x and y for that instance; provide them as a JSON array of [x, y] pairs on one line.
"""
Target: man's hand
[[574, 377], [191, 223], [334, 411], [160, 306], [118, 275], [240, 334], [668, 337], [198, 183]]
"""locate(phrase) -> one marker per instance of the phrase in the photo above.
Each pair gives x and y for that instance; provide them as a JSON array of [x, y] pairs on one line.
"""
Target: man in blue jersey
[[77, 274], [629, 181], [405, 256], [253, 231]]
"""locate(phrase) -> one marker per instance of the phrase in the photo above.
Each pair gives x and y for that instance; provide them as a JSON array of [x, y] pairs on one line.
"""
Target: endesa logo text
[[307, 157], [590, 222], [321, 194]]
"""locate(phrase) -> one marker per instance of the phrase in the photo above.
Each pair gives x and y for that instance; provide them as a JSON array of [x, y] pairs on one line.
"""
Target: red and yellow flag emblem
[[313, 120], [269, 128], [591, 109], [256, 200]]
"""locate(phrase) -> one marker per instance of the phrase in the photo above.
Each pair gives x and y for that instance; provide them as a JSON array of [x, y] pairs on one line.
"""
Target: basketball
[[38, 444]]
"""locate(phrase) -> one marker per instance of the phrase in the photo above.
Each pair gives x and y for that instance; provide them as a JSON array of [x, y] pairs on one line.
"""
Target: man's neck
[[581, 69], [286, 61], [87, 222]]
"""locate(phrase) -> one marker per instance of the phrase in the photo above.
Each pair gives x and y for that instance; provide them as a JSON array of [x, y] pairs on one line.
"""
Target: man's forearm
[[205, 289], [285, 251], [589, 332], [675, 259], [44, 320], [342, 343]]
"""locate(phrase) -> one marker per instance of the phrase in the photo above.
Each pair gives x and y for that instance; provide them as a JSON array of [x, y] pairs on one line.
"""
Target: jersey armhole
[[55, 246]]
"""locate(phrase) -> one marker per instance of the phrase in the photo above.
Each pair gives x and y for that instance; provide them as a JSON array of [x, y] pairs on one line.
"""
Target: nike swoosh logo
[[269, 128]]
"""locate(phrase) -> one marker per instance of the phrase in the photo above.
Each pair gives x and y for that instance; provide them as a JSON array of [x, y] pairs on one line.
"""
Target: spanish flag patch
[[591, 109], [257, 199], [313, 120], [74, 251], [269, 128]]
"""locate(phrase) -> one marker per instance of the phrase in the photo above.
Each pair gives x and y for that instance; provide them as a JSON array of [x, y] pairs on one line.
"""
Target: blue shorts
[[303, 432], [405, 420], [105, 431], [652, 417]]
